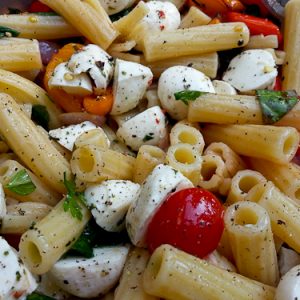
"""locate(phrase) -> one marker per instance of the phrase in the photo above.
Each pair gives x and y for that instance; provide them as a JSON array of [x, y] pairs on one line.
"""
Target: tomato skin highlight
[[191, 220]]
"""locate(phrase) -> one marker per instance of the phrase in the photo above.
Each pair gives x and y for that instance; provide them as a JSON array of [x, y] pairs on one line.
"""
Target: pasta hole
[[34, 253], [184, 156], [187, 137], [289, 144], [246, 216], [86, 160], [247, 182], [208, 170]]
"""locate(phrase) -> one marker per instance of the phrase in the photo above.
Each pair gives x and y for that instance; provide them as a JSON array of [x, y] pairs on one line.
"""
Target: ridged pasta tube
[[194, 17]]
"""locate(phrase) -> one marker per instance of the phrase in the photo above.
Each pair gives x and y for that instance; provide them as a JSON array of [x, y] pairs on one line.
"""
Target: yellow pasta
[[95, 137], [33, 26], [194, 17], [174, 274], [3, 147], [147, 159], [43, 244], [18, 54], [88, 17], [273, 143], [32, 147], [224, 247], [262, 42], [196, 40], [251, 239], [291, 118]]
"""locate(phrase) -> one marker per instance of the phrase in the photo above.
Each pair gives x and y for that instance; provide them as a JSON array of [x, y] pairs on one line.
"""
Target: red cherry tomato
[[37, 6], [191, 220]]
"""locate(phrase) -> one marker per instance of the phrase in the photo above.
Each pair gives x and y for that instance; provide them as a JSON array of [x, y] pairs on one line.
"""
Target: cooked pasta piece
[[33, 26], [273, 143], [224, 247], [174, 274], [42, 192], [197, 40], [43, 244], [88, 17], [3, 147], [216, 259], [291, 68], [206, 63], [95, 137], [32, 147], [147, 159], [213, 172], [18, 54], [181, 133], [251, 239], [121, 47], [285, 176], [131, 282], [20, 217], [194, 17], [262, 42], [26, 91], [283, 212], [7, 156], [126, 56], [291, 118], [232, 161], [186, 159], [152, 98], [95, 164], [241, 183]]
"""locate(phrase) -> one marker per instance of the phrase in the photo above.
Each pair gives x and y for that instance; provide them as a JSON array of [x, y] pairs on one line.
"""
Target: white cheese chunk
[[72, 84], [223, 88], [66, 136], [161, 182], [148, 127], [114, 6], [15, 279], [88, 278], [109, 202], [130, 83], [251, 70], [177, 79]]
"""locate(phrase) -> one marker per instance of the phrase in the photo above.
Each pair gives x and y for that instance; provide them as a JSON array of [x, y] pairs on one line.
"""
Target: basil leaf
[[186, 96], [14, 11], [37, 296], [8, 32], [275, 104], [21, 183], [40, 115], [120, 14]]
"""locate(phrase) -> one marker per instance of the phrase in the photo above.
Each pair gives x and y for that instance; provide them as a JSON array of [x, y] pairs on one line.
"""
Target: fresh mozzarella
[[289, 285], [177, 79], [223, 88], [88, 278], [79, 84], [130, 83], [109, 202], [95, 61], [148, 127], [2, 203], [66, 136], [251, 70], [288, 259], [15, 279], [115, 6], [162, 181]]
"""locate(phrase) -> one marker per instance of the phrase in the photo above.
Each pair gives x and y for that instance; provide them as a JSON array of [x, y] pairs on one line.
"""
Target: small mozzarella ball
[[114, 6], [177, 79], [223, 88], [251, 70]]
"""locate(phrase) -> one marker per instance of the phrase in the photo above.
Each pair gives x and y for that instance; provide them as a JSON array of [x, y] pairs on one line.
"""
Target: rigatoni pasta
[[194, 17]]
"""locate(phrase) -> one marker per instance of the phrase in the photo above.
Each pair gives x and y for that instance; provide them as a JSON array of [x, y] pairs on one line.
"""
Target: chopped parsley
[[187, 96], [37, 296], [275, 104], [21, 183], [8, 32]]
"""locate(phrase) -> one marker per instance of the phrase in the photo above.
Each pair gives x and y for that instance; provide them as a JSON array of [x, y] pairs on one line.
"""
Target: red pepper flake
[[161, 14], [157, 121], [18, 294], [162, 27]]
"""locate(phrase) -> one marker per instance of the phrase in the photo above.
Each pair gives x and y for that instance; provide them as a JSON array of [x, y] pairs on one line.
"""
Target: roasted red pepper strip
[[37, 6], [256, 25], [277, 86]]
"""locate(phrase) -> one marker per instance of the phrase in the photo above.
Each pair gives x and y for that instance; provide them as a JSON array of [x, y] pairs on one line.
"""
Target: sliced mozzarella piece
[[177, 79], [109, 202], [288, 259], [289, 285], [251, 70], [66, 136], [2, 203], [15, 279], [130, 83], [148, 127], [115, 6], [88, 278], [72, 84], [223, 88], [162, 181], [94, 60]]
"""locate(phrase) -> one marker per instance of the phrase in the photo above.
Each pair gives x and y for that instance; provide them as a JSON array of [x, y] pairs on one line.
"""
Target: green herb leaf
[[21, 183], [8, 32], [275, 104], [74, 200], [187, 96], [120, 14], [14, 11], [37, 296], [40, 115], [148, 137]]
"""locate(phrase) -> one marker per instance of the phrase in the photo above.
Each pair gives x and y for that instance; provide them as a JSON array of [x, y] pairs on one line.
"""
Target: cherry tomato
[[191, 220], [37, 6]]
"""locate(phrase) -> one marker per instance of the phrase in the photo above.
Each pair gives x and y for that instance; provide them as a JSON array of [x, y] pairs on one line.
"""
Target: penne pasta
[[262, 42], [3, 147], [95, 137], [194, 17]]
